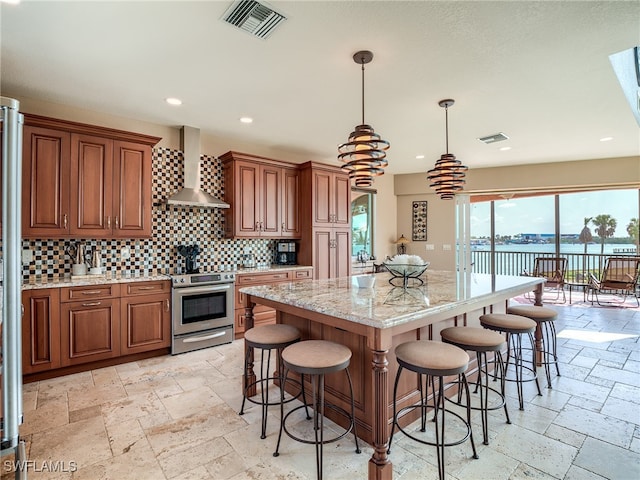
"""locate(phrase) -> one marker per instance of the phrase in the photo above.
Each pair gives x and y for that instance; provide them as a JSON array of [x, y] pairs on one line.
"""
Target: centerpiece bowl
[[403, 273]]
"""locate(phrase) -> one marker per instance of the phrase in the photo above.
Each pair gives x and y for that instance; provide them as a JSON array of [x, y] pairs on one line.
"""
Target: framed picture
[[419, 221]]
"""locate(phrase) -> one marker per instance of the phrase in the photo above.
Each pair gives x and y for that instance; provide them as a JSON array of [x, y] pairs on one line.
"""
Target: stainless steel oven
[[202, 310]]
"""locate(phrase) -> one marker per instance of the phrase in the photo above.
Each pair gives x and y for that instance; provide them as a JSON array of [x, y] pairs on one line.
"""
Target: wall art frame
[[419, 221]]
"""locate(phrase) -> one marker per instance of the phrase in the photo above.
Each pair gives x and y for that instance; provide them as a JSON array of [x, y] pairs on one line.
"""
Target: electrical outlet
[[429, 246], [27, 256], [125, 253], [446, 247]]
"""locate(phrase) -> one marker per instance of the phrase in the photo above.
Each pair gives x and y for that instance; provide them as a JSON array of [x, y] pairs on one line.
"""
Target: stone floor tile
[[577, 473], [596, 425], [621, 376], [565, 435], [138, 463], [622, 410], [620, 464]]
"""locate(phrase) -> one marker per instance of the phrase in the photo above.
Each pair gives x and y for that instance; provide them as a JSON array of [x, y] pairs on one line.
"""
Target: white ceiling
[[537, 71]]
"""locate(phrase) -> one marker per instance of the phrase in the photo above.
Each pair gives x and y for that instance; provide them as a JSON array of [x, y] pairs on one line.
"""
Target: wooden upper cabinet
[[91, 185], [263, 195], [132, 190], [85, 181], [45, 182], [331, 198], [290, 226]]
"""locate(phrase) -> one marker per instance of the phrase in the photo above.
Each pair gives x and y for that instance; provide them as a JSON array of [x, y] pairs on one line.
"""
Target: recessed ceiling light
[[419, 157], [606, 139], [504, 149], [173, 101], [246, 119]]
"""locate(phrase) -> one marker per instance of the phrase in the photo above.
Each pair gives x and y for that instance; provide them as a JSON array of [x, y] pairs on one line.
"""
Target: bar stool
[[317, 358], [433, 359], [545, 317], [515, 326], [481, 341], [267, 338]]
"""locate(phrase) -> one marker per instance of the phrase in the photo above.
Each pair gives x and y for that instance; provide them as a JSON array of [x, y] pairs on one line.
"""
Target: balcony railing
[[579, 265]]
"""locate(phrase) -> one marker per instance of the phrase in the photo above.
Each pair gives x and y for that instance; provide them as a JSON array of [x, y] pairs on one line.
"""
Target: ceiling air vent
[[253, 17], [496, 137]]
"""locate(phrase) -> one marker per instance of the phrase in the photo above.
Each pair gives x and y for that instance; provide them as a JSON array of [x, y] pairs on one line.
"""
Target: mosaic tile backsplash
[[173, 225]]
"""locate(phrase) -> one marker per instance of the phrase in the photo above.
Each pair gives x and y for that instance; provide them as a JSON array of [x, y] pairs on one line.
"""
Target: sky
[[536, 214]]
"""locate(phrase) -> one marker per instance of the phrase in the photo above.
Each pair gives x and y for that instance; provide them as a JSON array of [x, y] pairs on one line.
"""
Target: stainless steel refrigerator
[[11, 121]]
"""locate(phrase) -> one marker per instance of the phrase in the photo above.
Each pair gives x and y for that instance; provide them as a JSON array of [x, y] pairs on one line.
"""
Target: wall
[[385, 219]]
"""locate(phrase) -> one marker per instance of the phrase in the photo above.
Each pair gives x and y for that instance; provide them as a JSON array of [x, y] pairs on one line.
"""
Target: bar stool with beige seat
[[515, 326], [316, 358], [481, 341], [266, 339], [434, 360], [545, 318]]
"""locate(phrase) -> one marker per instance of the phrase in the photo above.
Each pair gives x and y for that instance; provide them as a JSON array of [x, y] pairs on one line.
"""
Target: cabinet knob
[[65, 221], [282, 226], [166, 305], [91, 304], [109, 222], [117, 222]]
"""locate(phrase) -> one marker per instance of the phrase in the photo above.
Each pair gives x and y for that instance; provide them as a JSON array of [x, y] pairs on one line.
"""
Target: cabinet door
[[322, 201], [247, 202], [132, 190], [323, 255], [45, 182], [342, 253], [341, 200], [91, 185], [270, 200], [90, 331], [145, 323], [290, 226], [41, 330]]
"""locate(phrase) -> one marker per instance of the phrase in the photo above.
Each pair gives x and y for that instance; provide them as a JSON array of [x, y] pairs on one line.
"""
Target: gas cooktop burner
[[208, 278]]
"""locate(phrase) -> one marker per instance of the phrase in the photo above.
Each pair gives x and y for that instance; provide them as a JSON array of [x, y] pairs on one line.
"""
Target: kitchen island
[[372, 322]]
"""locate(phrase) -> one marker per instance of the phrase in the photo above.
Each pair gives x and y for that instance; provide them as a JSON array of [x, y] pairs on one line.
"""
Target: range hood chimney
[[191, 194]]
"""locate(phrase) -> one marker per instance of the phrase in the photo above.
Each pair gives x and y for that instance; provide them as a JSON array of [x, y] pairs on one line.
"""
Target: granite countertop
[[58, 282], [384, 305], [271, 268]]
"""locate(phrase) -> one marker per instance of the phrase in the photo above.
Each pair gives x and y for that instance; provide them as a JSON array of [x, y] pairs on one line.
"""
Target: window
[[362, 215]]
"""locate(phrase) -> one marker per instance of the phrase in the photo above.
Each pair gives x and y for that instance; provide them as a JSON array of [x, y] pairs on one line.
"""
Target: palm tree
[[585, 237], [605, 228], [633, 229]]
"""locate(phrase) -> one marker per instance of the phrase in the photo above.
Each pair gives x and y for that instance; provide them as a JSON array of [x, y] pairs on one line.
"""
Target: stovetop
[[206, 278]]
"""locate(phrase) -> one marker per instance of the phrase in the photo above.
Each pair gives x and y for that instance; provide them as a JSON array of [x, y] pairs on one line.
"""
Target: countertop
[[385, 306], [37, 282]]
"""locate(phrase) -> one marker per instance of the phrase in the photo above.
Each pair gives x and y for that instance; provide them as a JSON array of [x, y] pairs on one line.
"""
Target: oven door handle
[[203, 338], [182, 291]]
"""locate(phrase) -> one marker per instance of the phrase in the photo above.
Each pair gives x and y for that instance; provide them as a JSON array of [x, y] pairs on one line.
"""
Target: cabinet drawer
[[262, 278], [69, 294], [301, 274], [146, 288]]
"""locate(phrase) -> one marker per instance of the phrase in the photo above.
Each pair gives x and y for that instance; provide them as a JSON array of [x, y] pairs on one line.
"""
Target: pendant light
[[447, 177], [364, 154]]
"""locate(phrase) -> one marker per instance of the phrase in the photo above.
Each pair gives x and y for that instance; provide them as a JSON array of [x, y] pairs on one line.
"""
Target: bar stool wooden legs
[[481, 341], [435, 360], [515, 326], [266, 339], [317, 358], [545, 317]]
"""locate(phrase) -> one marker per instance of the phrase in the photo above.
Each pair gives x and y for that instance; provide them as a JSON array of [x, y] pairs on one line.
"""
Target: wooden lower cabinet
[[70, 326], [262, 315], [41, 330], [90, 330], [145, 323]]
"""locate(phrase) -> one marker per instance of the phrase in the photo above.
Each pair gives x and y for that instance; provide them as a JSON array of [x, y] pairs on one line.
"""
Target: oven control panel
[[211, 278]]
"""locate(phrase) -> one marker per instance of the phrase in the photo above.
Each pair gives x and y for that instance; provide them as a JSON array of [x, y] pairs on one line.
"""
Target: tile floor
[[176, 417]]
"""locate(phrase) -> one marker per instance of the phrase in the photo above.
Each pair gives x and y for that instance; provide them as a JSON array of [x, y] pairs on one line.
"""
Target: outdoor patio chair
[[552, 269], [619, 278]]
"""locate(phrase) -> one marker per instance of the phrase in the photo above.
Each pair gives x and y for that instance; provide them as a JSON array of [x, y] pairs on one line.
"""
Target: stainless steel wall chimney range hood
[[191, 194]]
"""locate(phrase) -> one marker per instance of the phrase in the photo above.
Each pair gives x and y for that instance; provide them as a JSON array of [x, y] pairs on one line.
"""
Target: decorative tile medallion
[[419, 221]]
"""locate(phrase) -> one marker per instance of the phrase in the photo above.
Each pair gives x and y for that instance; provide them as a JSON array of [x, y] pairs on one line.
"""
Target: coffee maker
[[285, 253]]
